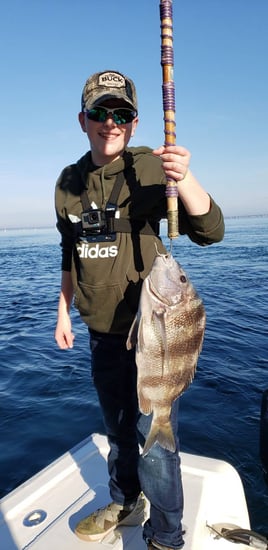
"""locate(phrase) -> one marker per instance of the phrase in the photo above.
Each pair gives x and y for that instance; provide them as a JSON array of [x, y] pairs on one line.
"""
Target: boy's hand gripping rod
[[168, 89]]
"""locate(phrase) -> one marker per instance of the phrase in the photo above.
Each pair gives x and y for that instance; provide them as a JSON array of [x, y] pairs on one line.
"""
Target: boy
[[108, 207]]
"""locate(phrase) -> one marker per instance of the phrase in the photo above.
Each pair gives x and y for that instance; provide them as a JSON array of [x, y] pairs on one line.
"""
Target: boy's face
[[107, 139]]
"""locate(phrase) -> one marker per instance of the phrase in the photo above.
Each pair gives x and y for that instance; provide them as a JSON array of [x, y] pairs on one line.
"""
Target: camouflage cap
[[107, 85]]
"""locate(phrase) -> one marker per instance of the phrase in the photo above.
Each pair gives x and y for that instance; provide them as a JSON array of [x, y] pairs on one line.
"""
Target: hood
[[129, 158]]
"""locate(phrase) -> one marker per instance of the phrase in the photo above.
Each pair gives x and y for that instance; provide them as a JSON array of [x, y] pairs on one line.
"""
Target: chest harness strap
[[103, 225]]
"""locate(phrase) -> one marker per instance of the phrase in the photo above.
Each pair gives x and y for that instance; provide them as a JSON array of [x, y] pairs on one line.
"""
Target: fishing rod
[[168, 93]]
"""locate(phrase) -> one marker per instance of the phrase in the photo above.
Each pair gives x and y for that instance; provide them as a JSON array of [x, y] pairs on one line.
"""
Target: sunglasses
[[119, 115]]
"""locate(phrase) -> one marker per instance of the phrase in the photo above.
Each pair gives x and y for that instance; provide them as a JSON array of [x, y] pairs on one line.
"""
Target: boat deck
[[41, 514]]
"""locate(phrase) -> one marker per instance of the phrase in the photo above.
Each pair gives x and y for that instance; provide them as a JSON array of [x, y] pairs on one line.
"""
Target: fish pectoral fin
[[158, 319], [159, 311], [162, 434]]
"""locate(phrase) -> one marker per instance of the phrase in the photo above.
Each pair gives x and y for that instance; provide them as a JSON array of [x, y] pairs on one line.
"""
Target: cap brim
[[103, 97]]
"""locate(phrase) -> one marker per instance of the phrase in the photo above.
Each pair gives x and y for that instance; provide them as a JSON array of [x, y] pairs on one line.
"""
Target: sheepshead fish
[[168, 332]]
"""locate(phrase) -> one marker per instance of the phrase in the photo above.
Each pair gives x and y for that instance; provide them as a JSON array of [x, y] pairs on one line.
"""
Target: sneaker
[[104, 520]]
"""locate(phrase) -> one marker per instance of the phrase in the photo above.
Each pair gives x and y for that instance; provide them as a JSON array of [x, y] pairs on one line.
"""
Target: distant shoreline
[[28, 228]]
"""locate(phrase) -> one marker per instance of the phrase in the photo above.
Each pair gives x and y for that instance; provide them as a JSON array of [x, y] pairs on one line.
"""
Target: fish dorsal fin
[[133, 334], [141, 338]]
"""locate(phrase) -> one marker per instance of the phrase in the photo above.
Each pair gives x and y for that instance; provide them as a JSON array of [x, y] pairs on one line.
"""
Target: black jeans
[[158, 473]]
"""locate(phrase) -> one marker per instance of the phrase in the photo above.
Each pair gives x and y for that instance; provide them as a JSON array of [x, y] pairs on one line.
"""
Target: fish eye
[[183, 279]]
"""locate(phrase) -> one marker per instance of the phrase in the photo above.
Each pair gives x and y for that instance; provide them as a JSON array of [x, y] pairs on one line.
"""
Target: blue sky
[[49, 48]]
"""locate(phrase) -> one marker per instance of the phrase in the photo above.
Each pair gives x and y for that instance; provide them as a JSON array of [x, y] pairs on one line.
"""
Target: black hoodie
[[107, 275]]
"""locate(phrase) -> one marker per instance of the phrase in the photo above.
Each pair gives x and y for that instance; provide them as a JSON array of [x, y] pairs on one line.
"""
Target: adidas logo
[[97, 251]]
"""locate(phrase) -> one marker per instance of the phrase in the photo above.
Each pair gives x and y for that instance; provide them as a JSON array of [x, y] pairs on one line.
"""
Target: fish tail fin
[[162, 434]]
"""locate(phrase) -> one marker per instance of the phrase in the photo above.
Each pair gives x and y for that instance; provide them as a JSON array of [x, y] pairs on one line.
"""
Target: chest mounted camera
[[97, 224]]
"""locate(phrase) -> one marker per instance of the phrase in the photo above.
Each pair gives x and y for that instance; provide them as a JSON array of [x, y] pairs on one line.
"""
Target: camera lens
[[93, 217]]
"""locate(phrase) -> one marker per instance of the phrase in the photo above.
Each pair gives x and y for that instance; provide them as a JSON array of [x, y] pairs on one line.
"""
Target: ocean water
[[47, 400]]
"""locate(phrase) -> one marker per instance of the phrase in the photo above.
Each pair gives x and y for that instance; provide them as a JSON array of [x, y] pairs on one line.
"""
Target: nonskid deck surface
[[42, 513]]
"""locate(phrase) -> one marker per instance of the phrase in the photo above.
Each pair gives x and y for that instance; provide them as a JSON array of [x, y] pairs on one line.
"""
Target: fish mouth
[[165, 256]]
